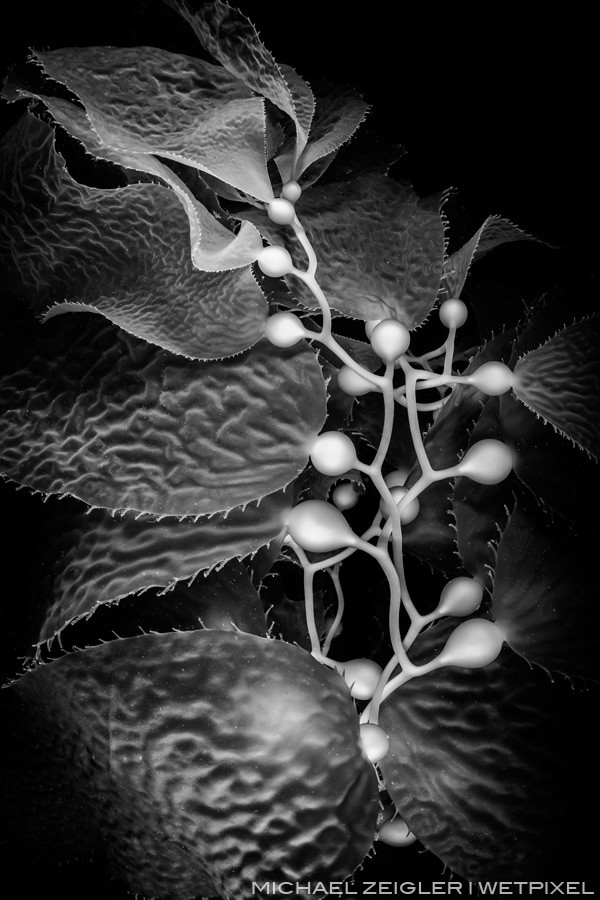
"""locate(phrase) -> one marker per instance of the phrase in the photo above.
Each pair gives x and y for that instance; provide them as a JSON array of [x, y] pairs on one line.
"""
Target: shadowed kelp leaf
[[223, 600], [234, 41], [494, 232], [122, 425], [558, 474], [487, 766], [148, 100], [204, 745], [560, 381], [122, 253], [380, 253], [339, 112], [481, 510], [213, 247], [545, 593], [95, 558]]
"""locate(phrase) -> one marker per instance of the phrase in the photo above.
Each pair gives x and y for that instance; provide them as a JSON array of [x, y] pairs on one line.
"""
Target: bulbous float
[[487, 462], [462, 596], [333, 453], [319, 527]]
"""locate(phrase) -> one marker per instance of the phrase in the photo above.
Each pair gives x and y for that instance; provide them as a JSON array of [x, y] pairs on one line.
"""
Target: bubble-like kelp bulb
[[487, 462], [319, 527], [345, 496], [492, 378], [453, 313], [390, 339], [281, 211], [462, 596], [396, 833], [361, 676], [375, 742], [274, 261], [333, 453], [291, 191], [284, 329], [472, 644], [353, 383]]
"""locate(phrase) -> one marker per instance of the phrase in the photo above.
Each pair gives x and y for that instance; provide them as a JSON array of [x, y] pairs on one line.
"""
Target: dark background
[[497, 105]]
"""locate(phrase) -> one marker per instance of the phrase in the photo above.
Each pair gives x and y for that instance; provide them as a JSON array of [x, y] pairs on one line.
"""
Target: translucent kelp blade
[[339, 113], [205, 745], [558, 474], [380, 254], [213, 247], [560, 382], [91, 559], [92, 412], [147, 100], [545, 593], [122, 253], [234, 41], [494, 232], [490, 788]]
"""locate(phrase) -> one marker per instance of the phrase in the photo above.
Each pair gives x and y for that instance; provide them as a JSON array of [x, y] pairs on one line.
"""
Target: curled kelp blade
[[219, 759], [123, 254], [213, 246], [148, 100]]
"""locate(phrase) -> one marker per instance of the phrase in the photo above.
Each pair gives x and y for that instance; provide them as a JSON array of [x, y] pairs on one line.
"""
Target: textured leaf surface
[[223, 600], [380, 254], [120, 424], [122, 253], [219, 759], [95, 559], [339, 112], [488, 765], [544, 593], [148, 100], [560, 381], [559, 475], [234, 41], [214, 248], [494, 232]]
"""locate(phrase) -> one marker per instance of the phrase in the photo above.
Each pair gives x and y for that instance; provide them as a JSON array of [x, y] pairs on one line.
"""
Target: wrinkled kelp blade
[[339, 113], [148, 100], [380, 253], [89, 560], [234, 41], [560, 381], [92, 412], [558, 474], [205, 745], [213, 247], [122, 253], [489, 765]]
